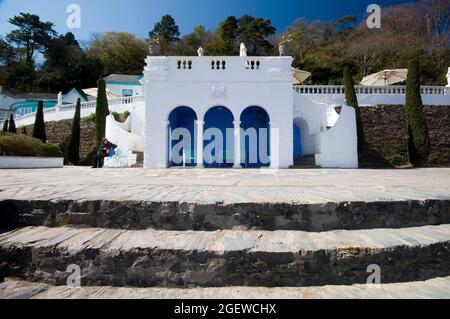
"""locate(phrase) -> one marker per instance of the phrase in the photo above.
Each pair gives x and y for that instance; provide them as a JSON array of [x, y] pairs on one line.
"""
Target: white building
[[235, 112], [124, 85], [236, 94]]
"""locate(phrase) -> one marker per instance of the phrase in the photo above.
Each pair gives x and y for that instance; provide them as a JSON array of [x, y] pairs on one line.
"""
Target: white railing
[[360, 89], [85, 106]]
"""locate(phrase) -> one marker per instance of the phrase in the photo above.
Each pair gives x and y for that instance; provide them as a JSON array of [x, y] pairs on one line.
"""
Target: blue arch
[[221, 118], [183, 117], [257, 118], [298, 148]]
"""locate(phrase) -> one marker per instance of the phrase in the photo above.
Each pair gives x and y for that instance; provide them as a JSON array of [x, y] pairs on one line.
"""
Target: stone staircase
[[307, 162], [259, 247]]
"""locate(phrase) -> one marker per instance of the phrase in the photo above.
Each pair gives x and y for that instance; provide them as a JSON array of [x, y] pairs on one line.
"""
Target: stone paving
[[226, 186], [437, 288]]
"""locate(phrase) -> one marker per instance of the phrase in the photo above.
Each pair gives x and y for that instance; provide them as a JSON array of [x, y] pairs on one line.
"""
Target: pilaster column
[[237, 145], [200, 125], [275, 139]]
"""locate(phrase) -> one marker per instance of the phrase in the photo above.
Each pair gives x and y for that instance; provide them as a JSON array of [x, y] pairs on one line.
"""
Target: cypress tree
[[101, 111], [418, 138], [39, 124], [352, 100], [12, 125], [5, 126], [72, 149]]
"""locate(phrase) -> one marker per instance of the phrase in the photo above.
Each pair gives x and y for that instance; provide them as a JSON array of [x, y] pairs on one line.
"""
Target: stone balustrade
[[67, 111], [218, 68], [334, 95], [360, 89]]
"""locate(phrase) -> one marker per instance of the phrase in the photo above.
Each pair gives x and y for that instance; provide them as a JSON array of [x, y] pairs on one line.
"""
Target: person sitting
[[106, 149]]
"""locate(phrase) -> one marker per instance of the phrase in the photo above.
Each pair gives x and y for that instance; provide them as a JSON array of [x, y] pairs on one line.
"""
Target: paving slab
[[436, 288], [226, 186]]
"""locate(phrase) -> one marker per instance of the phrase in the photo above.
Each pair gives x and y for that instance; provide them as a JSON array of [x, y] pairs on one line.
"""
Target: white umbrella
[[385, 77], [300, 76], [93, 92]]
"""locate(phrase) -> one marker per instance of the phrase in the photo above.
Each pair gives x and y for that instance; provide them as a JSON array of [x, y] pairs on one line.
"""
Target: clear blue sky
[[139, 16]]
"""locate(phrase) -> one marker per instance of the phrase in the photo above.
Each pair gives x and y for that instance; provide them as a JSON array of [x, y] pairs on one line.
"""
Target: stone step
[[436, 288], [307, 162], [139, 160], [149, 258], [138, 215]]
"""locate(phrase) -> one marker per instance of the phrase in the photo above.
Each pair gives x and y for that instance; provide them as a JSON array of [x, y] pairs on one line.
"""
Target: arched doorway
[[298, 148], [218, 138], [303, 142], [255, 143], [182, 148]]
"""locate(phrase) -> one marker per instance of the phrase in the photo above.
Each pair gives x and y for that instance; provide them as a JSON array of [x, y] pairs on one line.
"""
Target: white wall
[[118, 134], [117, 89], [338, 146], [168, 87], [378, 99]]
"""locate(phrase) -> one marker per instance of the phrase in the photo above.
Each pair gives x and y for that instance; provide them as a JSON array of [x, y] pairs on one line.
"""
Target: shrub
[[39, 124], [72, 148], [101, 111], [418, 139], [397, 160], [49, 150], [18, 145], [352, 100], [126, 114], [90, 118], [116, 116], [12, 125], [5, 126]]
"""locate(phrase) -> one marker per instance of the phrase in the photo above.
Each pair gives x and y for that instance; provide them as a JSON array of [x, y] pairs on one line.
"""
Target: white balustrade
[[67, 111], [360, 89]]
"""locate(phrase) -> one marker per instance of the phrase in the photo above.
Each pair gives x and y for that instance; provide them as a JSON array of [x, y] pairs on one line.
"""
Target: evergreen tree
[[418, 138], [72, 148], [165, 33], [12, 125], [39, 124], [352, 100], [101, 111], [5, 126]]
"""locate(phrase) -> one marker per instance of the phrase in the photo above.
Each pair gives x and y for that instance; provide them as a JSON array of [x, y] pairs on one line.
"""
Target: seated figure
[[106, 149]]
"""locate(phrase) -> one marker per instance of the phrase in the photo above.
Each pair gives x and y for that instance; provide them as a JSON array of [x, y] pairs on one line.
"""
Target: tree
[[165, 33], [39, 124], [72, 148], [5, 126], [225, 41], [101, 111], [352, 100], [119, 52], [12, 124], [190, 43], [254, 33], [418, 138], [32, 34], [67, 66]]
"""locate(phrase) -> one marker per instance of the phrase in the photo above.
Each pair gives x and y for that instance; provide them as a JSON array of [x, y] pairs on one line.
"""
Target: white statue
[[448, 78], [200, 51], [60, 99], [282, 48], [243, 50]]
